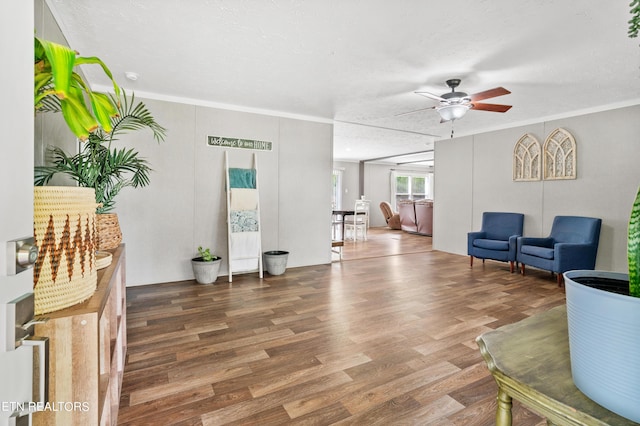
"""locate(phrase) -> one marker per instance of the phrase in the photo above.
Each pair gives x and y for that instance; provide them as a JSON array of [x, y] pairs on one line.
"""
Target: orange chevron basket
[[64, 222]]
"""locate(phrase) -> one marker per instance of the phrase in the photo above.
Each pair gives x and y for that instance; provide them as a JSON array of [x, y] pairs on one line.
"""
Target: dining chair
[[357, 223]]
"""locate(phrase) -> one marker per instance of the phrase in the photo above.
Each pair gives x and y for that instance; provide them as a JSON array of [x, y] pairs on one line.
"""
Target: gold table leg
[[503, 413]]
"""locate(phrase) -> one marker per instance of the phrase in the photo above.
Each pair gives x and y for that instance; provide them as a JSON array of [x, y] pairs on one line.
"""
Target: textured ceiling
[[360, 61]]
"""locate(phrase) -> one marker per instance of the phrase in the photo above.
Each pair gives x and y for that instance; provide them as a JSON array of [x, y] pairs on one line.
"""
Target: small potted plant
[[206, 266]]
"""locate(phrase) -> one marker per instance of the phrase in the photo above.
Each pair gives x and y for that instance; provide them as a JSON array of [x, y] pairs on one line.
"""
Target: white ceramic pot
[[205, 272], [276, 261], [604, 341]]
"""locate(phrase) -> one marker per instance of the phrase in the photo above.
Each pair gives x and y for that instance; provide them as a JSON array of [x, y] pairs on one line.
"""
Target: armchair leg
[[471, 261], [522, 269], [511, 266], [560, 280]]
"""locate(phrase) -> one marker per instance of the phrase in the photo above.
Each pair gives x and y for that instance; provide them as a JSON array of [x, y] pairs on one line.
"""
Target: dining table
[[342, 214]]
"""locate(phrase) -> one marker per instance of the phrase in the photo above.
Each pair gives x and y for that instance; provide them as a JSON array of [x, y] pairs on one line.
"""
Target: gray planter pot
[[604, 341], [205, 272], [275, 261]]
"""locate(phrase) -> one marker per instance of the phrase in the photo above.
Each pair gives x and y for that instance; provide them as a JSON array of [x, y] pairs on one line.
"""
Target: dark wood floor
[[384, 337]]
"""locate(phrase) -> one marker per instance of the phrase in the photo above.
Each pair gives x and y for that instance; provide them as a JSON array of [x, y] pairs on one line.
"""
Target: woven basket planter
[[109, 234], [64, 229]]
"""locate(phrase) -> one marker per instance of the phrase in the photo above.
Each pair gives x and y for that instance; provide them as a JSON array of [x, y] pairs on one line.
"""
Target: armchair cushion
[[543, 252], [491, 244]]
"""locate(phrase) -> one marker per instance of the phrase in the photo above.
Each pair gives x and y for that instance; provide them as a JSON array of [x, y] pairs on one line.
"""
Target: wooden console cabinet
[[88, 344]]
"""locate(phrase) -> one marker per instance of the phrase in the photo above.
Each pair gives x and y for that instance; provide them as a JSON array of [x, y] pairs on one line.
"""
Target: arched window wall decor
[[527, 159], [559, 156]]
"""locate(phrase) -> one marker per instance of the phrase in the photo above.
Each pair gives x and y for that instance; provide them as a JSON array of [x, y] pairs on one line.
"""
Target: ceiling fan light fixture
[[453, 111]]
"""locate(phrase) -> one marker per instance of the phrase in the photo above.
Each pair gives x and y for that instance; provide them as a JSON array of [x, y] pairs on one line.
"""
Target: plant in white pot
[[603, 312], [106, 169], [65, 272], [206, 266]]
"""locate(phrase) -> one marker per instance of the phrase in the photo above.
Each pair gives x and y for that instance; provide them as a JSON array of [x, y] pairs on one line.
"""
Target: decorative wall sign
[[527, 159], [559, 160], [223, 142]]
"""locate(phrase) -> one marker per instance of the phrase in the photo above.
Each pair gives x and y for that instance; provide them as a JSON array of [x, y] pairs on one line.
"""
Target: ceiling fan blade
[[416, 110], [490, 107], [430, 95], [491, 93]]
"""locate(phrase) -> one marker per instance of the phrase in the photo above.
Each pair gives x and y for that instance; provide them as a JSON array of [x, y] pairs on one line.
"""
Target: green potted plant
[[58, 88], [106, 169], [603, 313], [206, 266]]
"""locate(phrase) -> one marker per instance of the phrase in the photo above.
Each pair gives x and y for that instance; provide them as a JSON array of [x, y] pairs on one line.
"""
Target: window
[[336, 189], [410, 186]]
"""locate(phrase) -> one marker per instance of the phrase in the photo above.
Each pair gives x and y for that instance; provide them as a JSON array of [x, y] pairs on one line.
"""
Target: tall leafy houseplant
[[100, 166], [57, 87], [603, 318]]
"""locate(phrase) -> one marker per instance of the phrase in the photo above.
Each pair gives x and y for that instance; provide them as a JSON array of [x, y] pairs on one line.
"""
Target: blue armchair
[[572, 244], [497, 238]]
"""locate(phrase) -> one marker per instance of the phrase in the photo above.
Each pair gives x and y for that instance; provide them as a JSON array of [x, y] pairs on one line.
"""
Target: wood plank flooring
[[385, 337]]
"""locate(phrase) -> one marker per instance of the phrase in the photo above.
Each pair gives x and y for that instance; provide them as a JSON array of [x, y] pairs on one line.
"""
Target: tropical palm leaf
[[131, 116], [99, 166]]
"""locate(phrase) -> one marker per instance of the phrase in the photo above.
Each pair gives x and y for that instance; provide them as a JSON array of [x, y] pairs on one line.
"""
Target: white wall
[[305, 167], [185, 205], [474, 174], [350, 182], [453, 192]]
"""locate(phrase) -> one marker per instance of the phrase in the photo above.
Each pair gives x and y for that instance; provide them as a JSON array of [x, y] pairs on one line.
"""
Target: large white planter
[[604, 342], [206, 272]]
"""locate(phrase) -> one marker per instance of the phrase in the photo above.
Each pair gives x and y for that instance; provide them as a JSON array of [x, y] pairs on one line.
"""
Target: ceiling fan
[[454, 105]]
